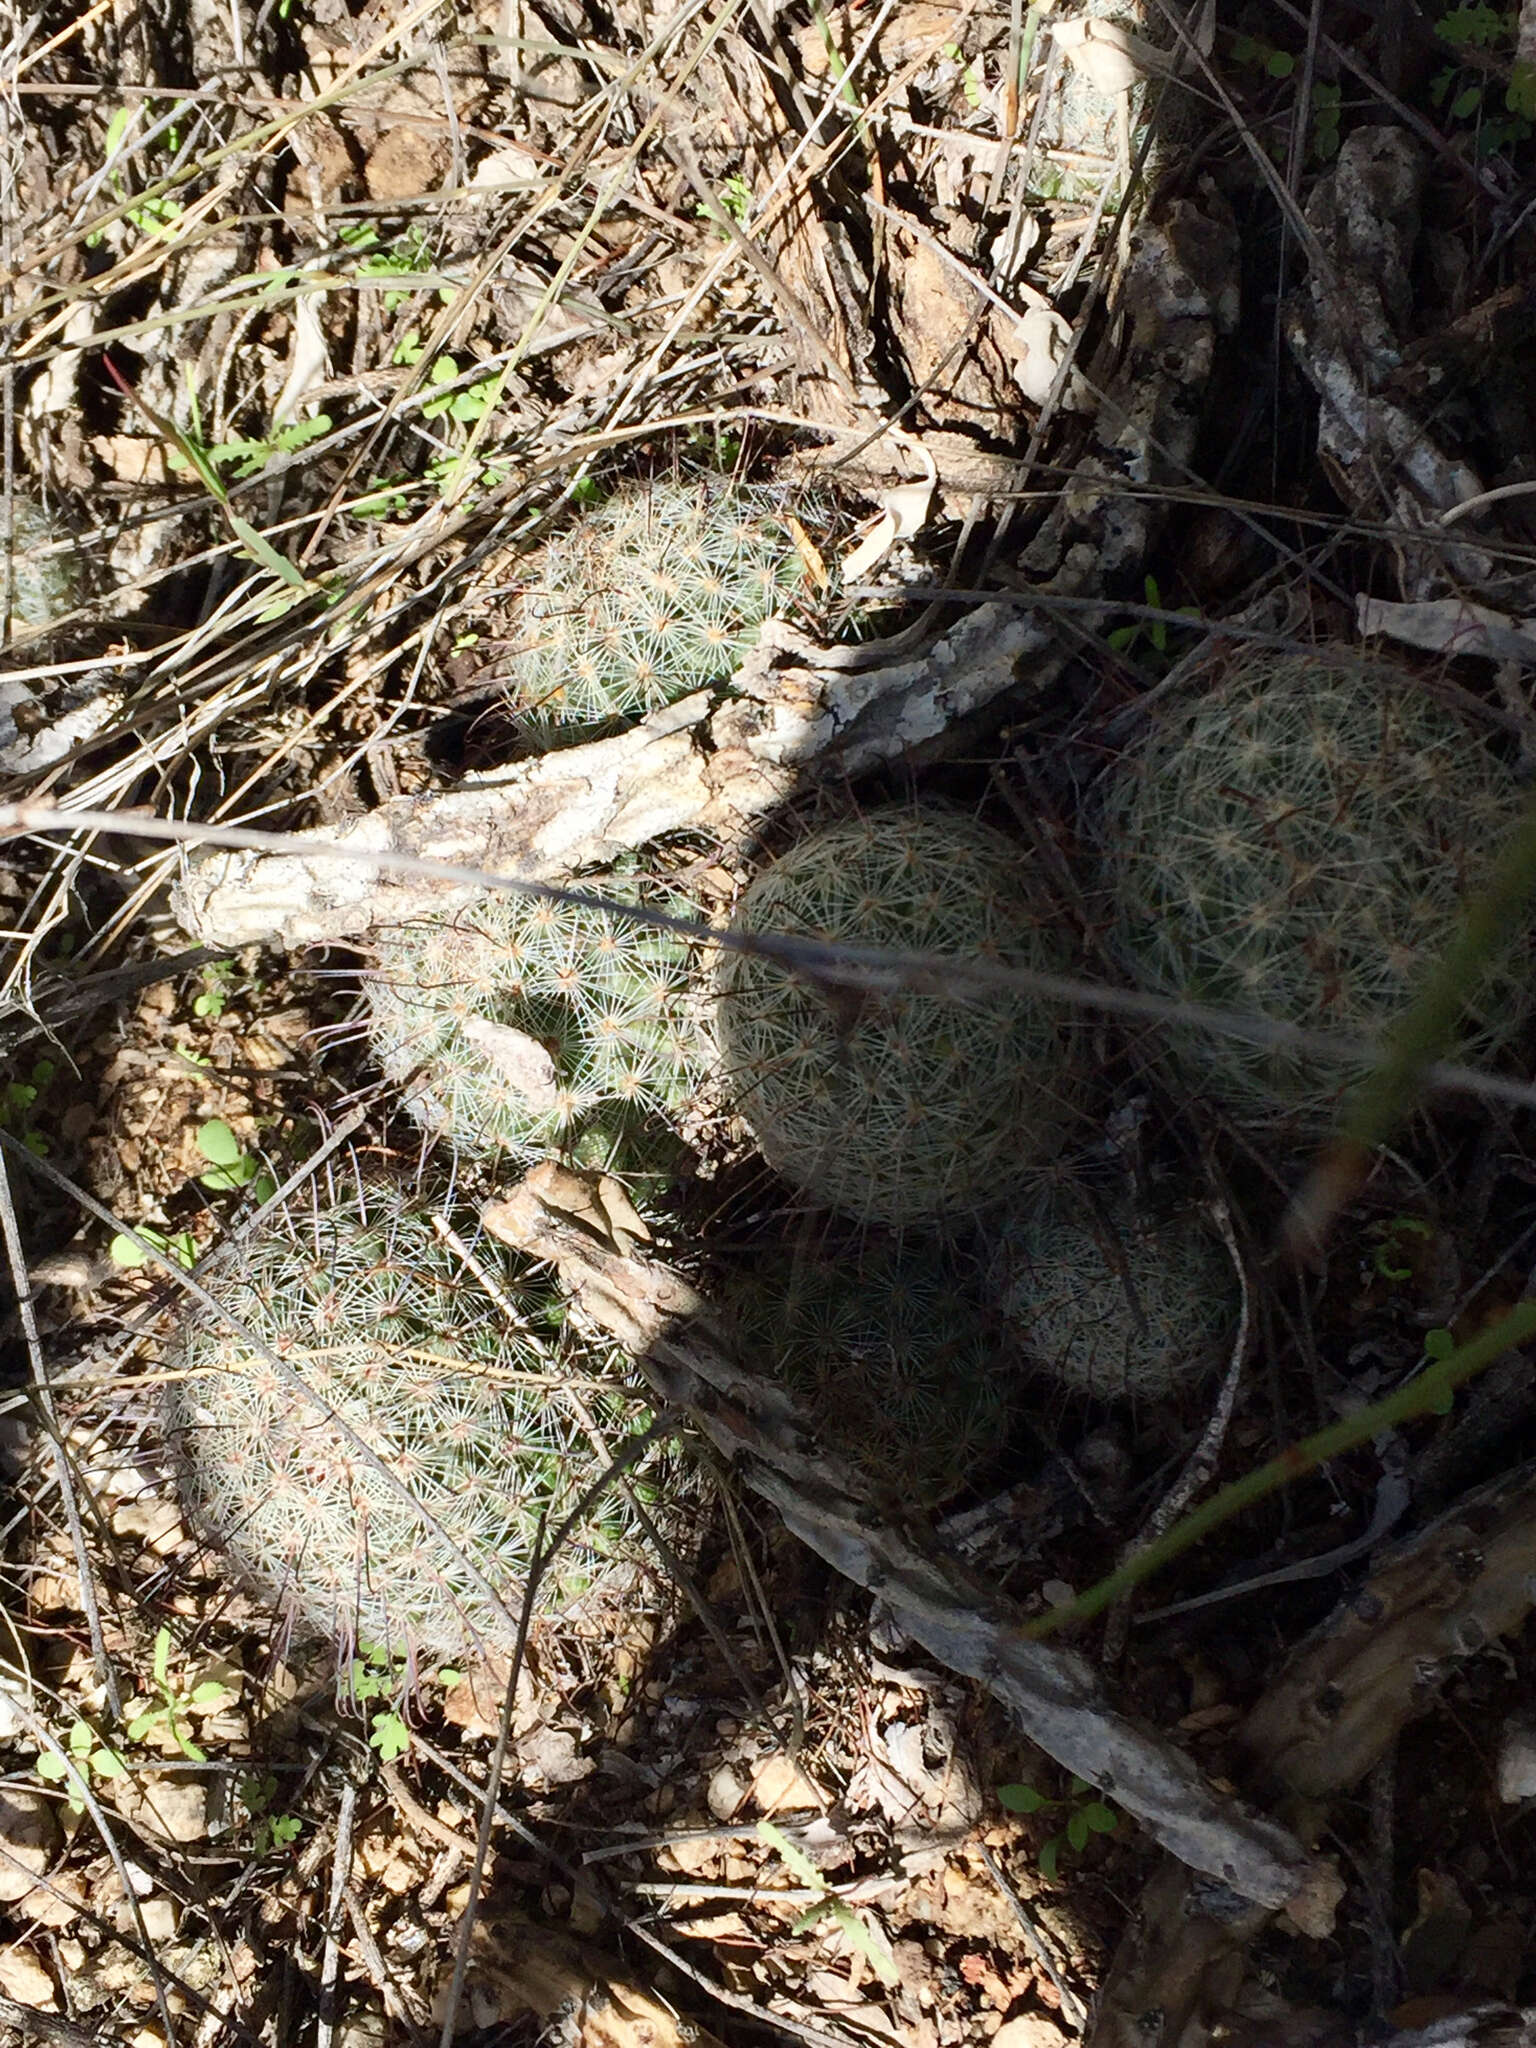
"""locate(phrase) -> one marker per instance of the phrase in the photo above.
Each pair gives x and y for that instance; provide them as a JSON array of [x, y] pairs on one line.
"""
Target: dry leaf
[[523, 1061]]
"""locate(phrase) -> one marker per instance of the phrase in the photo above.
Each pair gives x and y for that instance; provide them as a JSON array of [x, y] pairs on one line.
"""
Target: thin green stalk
[[1427, 1393], [1490, 924]]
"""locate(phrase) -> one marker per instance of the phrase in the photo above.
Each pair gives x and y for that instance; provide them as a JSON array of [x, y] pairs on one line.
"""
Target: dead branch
[[711, 763], [1343, 1698], [668, 1327]]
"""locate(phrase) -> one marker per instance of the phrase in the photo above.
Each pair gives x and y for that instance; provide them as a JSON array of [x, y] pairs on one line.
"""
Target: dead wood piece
[[1380, 1657], [1334, 1711], [660, 1319], [1177, 297], [1347, 329], [710, 763]]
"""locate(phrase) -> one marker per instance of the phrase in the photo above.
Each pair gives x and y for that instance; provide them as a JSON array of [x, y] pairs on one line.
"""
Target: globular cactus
[[899, 1105], [525, 1027], [1117, 1304], [38, 582], [890, 1358], [1297, 843], [658, 590], [475, 1410]]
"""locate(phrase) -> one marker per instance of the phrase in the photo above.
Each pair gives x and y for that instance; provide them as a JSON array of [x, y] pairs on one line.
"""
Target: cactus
[[526, 1027], [658, 590], [37, 587], [1118, 1305], [380, 1318], [887, 1356], [901, 1105], [1297, 843]]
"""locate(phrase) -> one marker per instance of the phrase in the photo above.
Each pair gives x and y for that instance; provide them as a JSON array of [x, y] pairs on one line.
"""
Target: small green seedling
[[1086, 1816], [374, 1675], [128, 1256], [1253, 53], [1124, 639], [230, 1165], [829, 1905], [735, 196], [269, 1830], [1392, 1258], [89, 1757], [465, 406], [1463, 92], [170, 1711], [1327, 109], [214, 999], [389, 1735], [150, 217], [245, 459], [19, 1098], [970, 75]]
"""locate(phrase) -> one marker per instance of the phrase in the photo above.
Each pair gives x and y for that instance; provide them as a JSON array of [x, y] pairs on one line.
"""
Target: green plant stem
[[1492, 921], [1429, 1392]]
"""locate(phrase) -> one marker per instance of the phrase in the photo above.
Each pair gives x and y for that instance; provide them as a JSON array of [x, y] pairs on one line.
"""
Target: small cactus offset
[[1297, 843], [660, 589], [1119, 1305], [386, 1327], [890, 1359], [901, 1105], [38, 583], [525, 1027]]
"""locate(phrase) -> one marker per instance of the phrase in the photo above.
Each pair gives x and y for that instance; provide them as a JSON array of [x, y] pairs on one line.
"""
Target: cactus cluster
[[889, 1357], [524, 1027], [658, 590], [36, 586], [388, 1329], [1297, 842], [1117, 1304], [904, 1104]]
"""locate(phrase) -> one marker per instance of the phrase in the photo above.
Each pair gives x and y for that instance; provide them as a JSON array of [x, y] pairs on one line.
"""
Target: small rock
[[1517, 1761], [691, 1855], [779, 1783], [175, 1808], [57, 1904], [159, 1920], [29, 1835], [23, 1978], [726, 1793], [156, 1523]]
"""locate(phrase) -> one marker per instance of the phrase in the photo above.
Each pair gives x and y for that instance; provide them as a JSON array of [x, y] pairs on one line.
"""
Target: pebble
[[1517, 1760]]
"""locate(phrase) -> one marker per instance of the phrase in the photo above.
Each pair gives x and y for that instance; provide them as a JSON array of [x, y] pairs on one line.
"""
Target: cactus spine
[[660, 589], [1297, 842], [900, 1105], [387, 1329], [526, 1027]]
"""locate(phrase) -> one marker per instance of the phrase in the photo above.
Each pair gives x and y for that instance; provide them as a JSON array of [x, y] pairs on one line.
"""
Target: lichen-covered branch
[[711, 763]]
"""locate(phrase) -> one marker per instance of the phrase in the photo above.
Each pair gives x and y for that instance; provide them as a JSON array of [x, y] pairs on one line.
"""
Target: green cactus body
[[888, 1357], [655, 592], [525, 1027], [1297, 843], [896, 1106], [37, 587], [1120, 1306], [380, 1319]]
